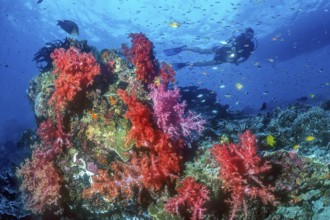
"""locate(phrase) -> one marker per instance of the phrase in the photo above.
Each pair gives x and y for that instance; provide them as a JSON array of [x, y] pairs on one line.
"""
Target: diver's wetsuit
[[241, 47]]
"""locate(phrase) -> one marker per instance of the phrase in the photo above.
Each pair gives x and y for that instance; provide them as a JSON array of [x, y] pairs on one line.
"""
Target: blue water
[[291, 61]]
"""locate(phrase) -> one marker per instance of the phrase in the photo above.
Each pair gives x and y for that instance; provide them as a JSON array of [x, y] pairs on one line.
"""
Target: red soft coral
[[159, 158], [166, 74], [142, 56], [240, 172], [191, 198], [53, 140], [75, 71], [140, 115], [160, 165], [40, 186]]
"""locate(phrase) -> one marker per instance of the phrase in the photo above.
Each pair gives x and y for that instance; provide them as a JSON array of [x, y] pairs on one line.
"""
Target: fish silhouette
[[69, 27]]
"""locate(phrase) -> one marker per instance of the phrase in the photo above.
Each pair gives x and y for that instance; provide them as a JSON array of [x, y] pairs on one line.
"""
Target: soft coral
[[156, 156], [191, 197], [75, 71], [240, 172], [142, 56], [170, 113]]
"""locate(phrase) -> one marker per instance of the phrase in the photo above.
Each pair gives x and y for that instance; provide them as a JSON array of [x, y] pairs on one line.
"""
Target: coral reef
[[117, 139]]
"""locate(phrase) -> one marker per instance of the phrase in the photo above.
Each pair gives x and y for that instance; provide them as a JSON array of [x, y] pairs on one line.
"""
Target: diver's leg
[[197, 50], [206, 63]]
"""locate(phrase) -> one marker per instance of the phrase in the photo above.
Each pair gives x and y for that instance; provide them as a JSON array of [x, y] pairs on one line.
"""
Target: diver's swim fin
[[173, 51], [177, 66]]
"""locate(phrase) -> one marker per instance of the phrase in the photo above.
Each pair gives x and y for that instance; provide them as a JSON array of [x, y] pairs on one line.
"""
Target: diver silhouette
[[236, 50]]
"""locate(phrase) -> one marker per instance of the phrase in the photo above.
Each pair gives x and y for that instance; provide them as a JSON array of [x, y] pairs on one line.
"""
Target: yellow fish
[[174, 24], [270, 140], [309, 138], [295, 147], [239, 86], [157, 81]]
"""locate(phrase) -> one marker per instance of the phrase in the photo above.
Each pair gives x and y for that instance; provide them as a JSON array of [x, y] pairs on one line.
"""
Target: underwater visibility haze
[[202, 109]]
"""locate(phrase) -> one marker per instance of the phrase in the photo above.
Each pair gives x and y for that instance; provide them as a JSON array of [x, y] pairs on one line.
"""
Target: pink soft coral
[[41, 185], [170, 113], [53, 140], [75, 71], [241, 170], [191, 197]]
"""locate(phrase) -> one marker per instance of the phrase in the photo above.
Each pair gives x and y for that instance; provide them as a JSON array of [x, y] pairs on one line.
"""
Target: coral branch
[[191, 197], [142, 56], [240, 171]]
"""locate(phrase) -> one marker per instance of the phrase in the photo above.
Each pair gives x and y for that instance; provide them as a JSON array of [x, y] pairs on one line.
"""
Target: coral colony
[[113, 136]]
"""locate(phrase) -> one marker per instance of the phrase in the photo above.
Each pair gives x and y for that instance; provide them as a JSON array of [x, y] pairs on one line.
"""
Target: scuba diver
[[236, 50]]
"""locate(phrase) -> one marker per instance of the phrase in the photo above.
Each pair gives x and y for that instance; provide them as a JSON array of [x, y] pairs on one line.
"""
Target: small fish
[[200, 96], [312, 95], [265, 92], [271, 60], [69, 27], [309, 138], [302, 99], [222, 86], [239, 86], [227, 96], [39, 1], [174, 24], [270, 140], [263, 106], [296, 146]]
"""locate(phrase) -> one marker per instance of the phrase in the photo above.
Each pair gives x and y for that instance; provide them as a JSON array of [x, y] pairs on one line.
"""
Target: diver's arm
[[198, 50], [206, 63]]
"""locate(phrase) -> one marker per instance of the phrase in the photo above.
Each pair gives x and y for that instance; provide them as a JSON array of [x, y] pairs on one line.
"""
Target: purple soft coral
[[170, 113]]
